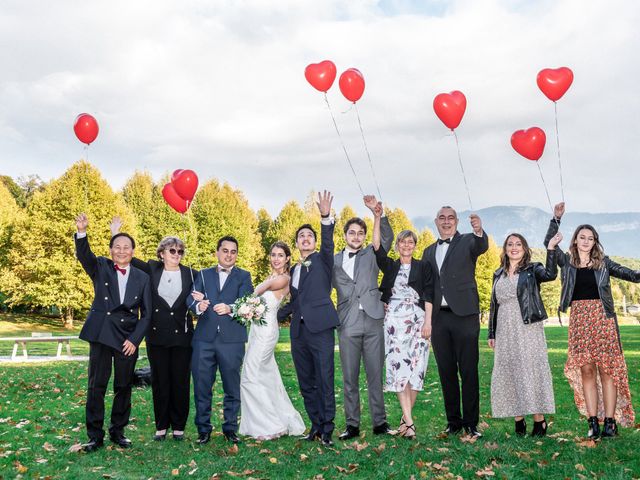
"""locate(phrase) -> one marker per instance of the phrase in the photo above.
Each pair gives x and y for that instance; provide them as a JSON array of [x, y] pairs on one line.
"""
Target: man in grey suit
[[361, 313]]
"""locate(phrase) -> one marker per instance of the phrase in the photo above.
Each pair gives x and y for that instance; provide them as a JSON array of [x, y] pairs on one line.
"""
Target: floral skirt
[[594, 339]]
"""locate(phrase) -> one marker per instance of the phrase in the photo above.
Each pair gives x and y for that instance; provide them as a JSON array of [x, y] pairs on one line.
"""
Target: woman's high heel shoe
[[409, 432], [539, 428], [521, 427], [594, 428]]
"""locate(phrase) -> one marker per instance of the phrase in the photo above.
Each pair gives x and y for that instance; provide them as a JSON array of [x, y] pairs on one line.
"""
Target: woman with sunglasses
[[595, 362], [169, 336]]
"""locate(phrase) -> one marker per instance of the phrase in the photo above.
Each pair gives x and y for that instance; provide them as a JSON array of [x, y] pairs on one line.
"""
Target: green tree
[[42, 270], [264, 223], [284, 226], [347, 213], [487, 263], [14, 190]]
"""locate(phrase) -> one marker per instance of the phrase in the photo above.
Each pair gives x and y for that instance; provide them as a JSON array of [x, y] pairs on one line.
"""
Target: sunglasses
[[173, 251]]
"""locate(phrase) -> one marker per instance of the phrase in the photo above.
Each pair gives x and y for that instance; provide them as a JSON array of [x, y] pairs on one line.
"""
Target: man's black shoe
[[349, 433], [472, 432], [451, 430], [231, 437], [381, 429], [121, 441], [204, 437], [92, 445], [311, 436], [326, 440]]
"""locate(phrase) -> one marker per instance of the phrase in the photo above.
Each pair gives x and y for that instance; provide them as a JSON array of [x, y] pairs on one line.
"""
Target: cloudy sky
[[218, 86]]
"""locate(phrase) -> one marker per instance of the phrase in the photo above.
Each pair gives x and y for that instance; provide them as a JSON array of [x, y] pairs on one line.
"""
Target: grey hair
[[167, 242], [446, 206], [404, 234]]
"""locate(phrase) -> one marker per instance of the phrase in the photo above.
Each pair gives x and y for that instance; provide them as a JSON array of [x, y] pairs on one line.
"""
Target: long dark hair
[[596, 254], [287, 252], [524, 261]]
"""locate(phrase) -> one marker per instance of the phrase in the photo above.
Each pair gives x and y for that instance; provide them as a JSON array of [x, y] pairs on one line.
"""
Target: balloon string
[[466, 185], [342, 143], [547, 192], [366, 149], [555, 106]]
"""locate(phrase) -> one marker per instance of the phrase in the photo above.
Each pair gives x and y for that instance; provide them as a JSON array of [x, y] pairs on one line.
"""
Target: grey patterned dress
[[521, 383], [407, 353]]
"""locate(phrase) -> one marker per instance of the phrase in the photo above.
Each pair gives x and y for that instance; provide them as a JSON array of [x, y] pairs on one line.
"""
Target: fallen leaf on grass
[[585, 442], [75, 447], [41, 460], [233, 450], [175, 472], [265, 450], [380, 448], [468, 439], [555, 455], [273, 459], [48, 447], [303, 457], [523, 456], [359, 446], [491, 445], [486, 472], [580, 467]]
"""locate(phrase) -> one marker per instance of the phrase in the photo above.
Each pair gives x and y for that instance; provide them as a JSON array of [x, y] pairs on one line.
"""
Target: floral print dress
[[407, 352]]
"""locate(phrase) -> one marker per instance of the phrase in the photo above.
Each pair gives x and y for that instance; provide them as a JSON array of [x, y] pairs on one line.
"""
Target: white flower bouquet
[[249, 310]]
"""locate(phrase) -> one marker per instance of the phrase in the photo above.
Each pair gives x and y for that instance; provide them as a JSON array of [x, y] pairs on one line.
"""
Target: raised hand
[[558, 210], [378, 210], [370, 202], [324, 203], [82, 222], [115, 225], [555, 240], [476, 223]]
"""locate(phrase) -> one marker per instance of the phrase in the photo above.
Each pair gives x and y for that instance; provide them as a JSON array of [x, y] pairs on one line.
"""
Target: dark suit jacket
[[210, 324], [456, 280], [311, 301], [419, 276], [110, 322], [171, 326]]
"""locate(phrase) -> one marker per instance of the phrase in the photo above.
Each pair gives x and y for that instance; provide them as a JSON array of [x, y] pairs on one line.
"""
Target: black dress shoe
[[204, 437], [311, 436], [326, 440], [121, 441], [231, 437], [472, 432], [159, 438], [381, 429], [451, 430], [350, 432], [92, 445], [178, 437]]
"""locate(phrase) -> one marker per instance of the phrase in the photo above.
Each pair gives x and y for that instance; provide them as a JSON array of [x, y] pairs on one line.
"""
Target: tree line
[[39, 272]]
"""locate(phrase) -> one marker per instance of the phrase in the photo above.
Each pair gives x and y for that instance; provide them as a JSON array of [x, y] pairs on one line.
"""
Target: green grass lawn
[[42, 416]]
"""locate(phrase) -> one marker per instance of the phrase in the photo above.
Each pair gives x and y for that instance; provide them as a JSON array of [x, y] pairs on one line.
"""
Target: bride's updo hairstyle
[[287, 251]]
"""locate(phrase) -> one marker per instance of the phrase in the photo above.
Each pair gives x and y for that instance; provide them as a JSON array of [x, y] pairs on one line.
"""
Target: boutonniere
[[306, 263]]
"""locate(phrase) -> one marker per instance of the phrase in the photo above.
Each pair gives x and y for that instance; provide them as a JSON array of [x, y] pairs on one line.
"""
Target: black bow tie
[[441, 241], [352, 254]]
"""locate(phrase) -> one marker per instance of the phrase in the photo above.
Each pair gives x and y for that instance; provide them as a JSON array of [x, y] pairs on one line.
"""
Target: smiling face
[[278, 259], [306, 242], [514, 250], [355, 236], [227, 254], [446, 222], [172, 260], [122, 251], [585, 240]]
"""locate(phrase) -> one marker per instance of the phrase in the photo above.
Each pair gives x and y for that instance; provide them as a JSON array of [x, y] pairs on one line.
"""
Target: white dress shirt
[[441, 252]]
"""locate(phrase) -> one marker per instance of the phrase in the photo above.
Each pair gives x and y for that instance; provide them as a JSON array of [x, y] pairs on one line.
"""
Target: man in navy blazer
[[313, 323], [118, 321], [218, 340]]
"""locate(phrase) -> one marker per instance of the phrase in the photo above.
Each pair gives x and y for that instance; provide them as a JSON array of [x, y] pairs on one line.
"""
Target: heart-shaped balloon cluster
[[179, 192], [322, 75]]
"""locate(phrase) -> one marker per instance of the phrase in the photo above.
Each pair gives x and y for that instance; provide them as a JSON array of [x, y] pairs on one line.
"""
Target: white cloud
[[218, 87]]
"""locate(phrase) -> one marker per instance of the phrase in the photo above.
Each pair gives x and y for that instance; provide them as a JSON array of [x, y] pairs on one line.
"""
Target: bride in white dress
[[267, 411]]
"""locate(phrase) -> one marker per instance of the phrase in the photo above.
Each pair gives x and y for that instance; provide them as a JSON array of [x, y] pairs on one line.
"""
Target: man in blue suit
[[313, 323], [218, 340]]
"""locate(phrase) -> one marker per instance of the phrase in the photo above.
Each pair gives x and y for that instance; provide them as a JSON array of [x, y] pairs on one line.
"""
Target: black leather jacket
[[529, 299], [568, 276]]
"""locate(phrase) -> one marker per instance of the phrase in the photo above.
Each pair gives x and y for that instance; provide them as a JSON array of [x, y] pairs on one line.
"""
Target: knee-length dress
[[407, 353], [521, 383]]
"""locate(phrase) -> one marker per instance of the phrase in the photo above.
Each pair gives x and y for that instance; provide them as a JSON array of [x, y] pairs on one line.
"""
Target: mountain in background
[[619, 232]]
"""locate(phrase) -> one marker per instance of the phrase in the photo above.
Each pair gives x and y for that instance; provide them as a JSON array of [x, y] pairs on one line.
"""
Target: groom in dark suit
[[452, 319], [218, 340], [118, 321], [313, 323]]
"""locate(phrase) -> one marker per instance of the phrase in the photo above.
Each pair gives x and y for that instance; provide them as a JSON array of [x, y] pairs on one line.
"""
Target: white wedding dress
[[267, 411]]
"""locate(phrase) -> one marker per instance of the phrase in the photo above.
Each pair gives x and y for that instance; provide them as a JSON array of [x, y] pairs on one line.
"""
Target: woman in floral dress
[[407, 352]]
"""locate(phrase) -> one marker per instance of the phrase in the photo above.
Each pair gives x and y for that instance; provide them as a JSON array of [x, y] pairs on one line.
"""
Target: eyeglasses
[[173, 251]]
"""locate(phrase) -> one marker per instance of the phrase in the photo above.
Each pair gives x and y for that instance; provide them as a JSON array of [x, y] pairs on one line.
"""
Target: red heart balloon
[[450, 108], [352, 84], [185, 183], [529, 143], [85, 128], [321, 75], [174, 200], [554, 82]]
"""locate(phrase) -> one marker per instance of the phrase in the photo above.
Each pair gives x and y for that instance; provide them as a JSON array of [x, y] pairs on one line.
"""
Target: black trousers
[[170, 384], [100, 360], [455, 346], [313, 357]]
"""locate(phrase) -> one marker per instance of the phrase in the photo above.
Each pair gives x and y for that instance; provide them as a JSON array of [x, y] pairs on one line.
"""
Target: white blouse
[[170, 286]]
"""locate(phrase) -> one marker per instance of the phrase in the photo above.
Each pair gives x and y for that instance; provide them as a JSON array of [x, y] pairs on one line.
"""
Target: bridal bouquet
[[249, 310]]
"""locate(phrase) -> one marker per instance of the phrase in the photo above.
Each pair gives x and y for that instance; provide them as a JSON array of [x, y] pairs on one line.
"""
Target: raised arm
[[554, 226], [481, 239], [84, 254], [275, 283], [326, 227], [623, 273]]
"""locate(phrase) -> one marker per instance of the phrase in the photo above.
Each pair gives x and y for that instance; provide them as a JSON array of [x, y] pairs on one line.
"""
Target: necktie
[[123, 271], [441, 241]]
